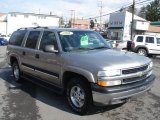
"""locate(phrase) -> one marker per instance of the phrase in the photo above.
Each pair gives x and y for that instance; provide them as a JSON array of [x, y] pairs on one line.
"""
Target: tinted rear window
[[149, 39], [158, 40], [17, 37], [140, 39], [32, 39]]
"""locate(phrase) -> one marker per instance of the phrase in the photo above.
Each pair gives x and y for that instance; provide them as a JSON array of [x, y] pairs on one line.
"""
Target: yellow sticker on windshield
[[66, 33], [84, 40]]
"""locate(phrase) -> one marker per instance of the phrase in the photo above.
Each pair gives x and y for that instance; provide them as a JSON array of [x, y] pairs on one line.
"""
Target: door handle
[[23, 53], [37, 56]]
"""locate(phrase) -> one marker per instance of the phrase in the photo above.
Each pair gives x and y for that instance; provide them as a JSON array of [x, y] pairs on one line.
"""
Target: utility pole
[[132, 23], [101, 6], [72, 17]]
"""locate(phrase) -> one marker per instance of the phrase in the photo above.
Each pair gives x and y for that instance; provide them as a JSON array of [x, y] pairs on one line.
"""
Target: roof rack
[[25, 28]]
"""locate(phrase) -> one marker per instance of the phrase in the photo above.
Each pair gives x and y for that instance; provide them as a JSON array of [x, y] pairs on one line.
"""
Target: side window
[[140, 39], [32, 39], [158, 40], [17, 37], [48, 38], [149, 39]]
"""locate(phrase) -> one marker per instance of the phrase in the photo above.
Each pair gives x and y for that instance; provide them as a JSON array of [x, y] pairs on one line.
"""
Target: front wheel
[[79, 96]]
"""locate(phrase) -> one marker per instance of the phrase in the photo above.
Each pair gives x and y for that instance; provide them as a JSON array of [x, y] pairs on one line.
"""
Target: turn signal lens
[[102, 83], [109, 83]]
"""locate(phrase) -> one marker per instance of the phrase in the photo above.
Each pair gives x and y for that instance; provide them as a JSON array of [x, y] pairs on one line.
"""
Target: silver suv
[[80, 64]]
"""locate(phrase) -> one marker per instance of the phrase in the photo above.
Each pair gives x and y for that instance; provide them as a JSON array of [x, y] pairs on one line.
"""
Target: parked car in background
[[5, 37], [3, 41], [118, 44], [146, 45], [104, 34], [121, 44], [111, 42]]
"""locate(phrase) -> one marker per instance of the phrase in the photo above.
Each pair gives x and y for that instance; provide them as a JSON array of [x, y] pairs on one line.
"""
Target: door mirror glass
[[50, 48]]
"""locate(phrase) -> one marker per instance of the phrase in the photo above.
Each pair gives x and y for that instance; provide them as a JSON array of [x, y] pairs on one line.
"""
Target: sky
[[83, 8]]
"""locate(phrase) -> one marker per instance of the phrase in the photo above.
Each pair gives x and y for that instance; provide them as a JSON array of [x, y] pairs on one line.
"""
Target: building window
[[13, 15], [41, 17], [26, 16]]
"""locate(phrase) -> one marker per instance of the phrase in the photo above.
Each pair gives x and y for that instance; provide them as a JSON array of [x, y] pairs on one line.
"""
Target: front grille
[[134, 70], [134, 79]]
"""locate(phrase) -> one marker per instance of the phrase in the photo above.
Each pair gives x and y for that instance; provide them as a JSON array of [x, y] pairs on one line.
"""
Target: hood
[[102, 59]]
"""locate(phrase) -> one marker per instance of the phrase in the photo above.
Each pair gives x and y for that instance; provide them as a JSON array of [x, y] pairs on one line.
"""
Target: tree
[[153, 11], [142, 12]]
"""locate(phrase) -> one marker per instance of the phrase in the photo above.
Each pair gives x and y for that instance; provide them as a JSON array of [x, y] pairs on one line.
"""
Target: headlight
[[150, 64], [109, 73]]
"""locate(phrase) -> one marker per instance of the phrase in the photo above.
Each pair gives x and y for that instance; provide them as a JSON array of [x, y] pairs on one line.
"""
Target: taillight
[[132, 44], [116, 44]]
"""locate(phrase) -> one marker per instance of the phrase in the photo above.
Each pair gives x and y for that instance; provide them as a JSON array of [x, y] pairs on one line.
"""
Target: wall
[[29, 20], [3, 28]]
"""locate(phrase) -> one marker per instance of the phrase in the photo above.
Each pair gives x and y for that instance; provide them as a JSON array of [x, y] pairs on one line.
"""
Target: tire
[[142, 52], [16, 72], [129, 45], [79, 96]]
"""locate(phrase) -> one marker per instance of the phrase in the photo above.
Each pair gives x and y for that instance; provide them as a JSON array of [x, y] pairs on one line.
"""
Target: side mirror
[[50, 48]]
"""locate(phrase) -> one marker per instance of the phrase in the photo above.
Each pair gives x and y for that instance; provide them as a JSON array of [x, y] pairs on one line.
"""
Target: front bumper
[[119, 94]]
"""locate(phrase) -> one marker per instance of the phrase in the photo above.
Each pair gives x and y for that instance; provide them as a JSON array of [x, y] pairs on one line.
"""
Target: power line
[[128, 5]]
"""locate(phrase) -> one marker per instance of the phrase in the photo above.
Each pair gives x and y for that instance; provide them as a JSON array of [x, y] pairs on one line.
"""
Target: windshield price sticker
[[84, 40]]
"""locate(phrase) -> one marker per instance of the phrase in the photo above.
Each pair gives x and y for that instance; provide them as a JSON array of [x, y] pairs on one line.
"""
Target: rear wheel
[[79, 96], [142, 52], [16, 72]]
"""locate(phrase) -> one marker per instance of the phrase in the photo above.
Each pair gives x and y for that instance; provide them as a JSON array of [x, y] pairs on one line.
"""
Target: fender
[[80, 71], [141, 46]]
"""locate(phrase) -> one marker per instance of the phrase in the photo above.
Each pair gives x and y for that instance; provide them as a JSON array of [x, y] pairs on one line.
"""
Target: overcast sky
[[83, 8]]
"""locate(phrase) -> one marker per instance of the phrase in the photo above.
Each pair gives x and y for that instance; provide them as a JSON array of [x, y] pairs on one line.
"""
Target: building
[[3, 23], [119, 27], [156, 23], [80, 23], [15, 20]]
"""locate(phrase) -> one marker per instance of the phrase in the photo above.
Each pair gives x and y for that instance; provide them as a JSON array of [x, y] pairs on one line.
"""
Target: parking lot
[[28, 101]]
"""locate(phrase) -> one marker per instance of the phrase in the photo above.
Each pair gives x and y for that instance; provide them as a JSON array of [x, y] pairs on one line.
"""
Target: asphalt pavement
[[28, 101]]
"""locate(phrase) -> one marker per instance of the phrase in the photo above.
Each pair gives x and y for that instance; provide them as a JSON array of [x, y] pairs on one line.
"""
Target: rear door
[[28, 52], [151, 44], [158, 45]]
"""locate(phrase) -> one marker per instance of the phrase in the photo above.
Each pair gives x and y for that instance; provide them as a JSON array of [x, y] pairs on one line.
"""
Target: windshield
[[158, 40], [81, 40]]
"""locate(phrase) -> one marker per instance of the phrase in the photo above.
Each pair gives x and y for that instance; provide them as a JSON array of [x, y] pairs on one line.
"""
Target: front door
[[48, 65]]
